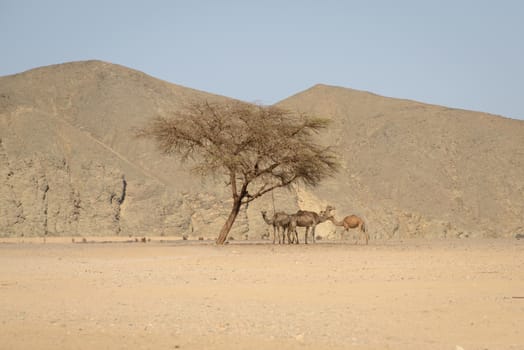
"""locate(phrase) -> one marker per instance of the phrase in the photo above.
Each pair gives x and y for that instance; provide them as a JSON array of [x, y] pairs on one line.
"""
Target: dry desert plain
[[411, 294]]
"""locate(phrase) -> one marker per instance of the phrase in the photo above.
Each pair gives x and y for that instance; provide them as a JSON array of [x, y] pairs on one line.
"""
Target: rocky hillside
[[69, 164], [414, 169]]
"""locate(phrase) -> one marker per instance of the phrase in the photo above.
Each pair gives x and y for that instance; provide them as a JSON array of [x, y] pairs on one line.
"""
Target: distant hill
[[415, 169], [69, 164]]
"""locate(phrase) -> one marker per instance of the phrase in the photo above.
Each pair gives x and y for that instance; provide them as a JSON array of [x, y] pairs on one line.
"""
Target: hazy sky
[[457, 53]]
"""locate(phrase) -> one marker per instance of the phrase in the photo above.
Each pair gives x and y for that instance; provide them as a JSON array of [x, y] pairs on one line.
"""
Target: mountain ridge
[[324, 86], [444, 151], [67, 139]]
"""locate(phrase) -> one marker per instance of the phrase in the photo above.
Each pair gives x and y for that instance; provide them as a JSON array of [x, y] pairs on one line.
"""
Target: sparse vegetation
[[256, 148]]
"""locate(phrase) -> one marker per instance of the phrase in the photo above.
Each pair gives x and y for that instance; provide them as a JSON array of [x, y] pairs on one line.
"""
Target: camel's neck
[[325, 214], [269, 222], [337, 223], [322, 218]]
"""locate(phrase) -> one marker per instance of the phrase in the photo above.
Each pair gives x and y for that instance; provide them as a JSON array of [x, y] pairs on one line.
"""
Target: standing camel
[[280, 222], [352, 221], [307, 219]]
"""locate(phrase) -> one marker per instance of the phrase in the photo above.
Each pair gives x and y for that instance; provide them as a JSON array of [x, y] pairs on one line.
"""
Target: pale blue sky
[[461, 53]]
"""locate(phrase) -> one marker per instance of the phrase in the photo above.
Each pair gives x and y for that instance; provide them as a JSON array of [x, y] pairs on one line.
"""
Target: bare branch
[[264, 147], [265, 190]]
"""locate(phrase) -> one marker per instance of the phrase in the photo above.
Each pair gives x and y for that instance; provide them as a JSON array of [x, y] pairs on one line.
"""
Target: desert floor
[[431, 294]]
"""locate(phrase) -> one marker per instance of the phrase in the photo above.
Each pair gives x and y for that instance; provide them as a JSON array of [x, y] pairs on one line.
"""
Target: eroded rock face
[[41, 196], [70, 164], [11, 214]]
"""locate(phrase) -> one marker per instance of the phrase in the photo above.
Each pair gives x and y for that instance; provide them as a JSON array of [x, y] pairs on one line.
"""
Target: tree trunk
[[229, 222]]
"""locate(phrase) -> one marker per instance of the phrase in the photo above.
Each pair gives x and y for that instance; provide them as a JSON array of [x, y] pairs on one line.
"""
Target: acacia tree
[[257, 148]]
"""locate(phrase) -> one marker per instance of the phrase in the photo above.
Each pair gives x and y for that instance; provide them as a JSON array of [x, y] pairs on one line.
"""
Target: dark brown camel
[[352, 221], [307, 219]]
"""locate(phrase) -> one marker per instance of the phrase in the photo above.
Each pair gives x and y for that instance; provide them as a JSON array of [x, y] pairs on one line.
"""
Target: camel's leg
[[366, 235], [346, 229], [289, 241], [307, 231], [294, 236], [290, 236], [313, 233], [305, 234], [362, 233], [274, 234]]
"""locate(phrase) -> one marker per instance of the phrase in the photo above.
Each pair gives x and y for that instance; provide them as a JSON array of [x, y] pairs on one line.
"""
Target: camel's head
[[263, 212], [327, 214]]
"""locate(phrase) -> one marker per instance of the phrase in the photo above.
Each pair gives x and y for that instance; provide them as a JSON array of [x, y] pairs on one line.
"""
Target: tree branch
[[264, 190]]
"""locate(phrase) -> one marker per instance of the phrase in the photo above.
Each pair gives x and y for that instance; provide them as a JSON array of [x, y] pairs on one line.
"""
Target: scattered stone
[[300, 338]]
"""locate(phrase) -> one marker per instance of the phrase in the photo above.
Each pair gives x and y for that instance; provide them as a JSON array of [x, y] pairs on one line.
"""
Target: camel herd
[[284, 223]]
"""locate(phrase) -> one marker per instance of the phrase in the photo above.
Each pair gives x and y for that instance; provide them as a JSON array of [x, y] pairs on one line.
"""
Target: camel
[[280, 222], [307, 219], [352, 221]]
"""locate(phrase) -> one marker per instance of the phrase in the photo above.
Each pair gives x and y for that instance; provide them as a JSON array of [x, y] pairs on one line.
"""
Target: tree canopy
[[258, 148]]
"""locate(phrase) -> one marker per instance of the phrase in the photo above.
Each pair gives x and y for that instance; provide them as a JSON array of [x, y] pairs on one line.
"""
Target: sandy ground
[[456, 294]]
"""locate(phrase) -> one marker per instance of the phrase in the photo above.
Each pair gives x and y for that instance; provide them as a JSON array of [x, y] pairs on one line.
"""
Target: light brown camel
[[280, 222], [352, 221], [307, 219]]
